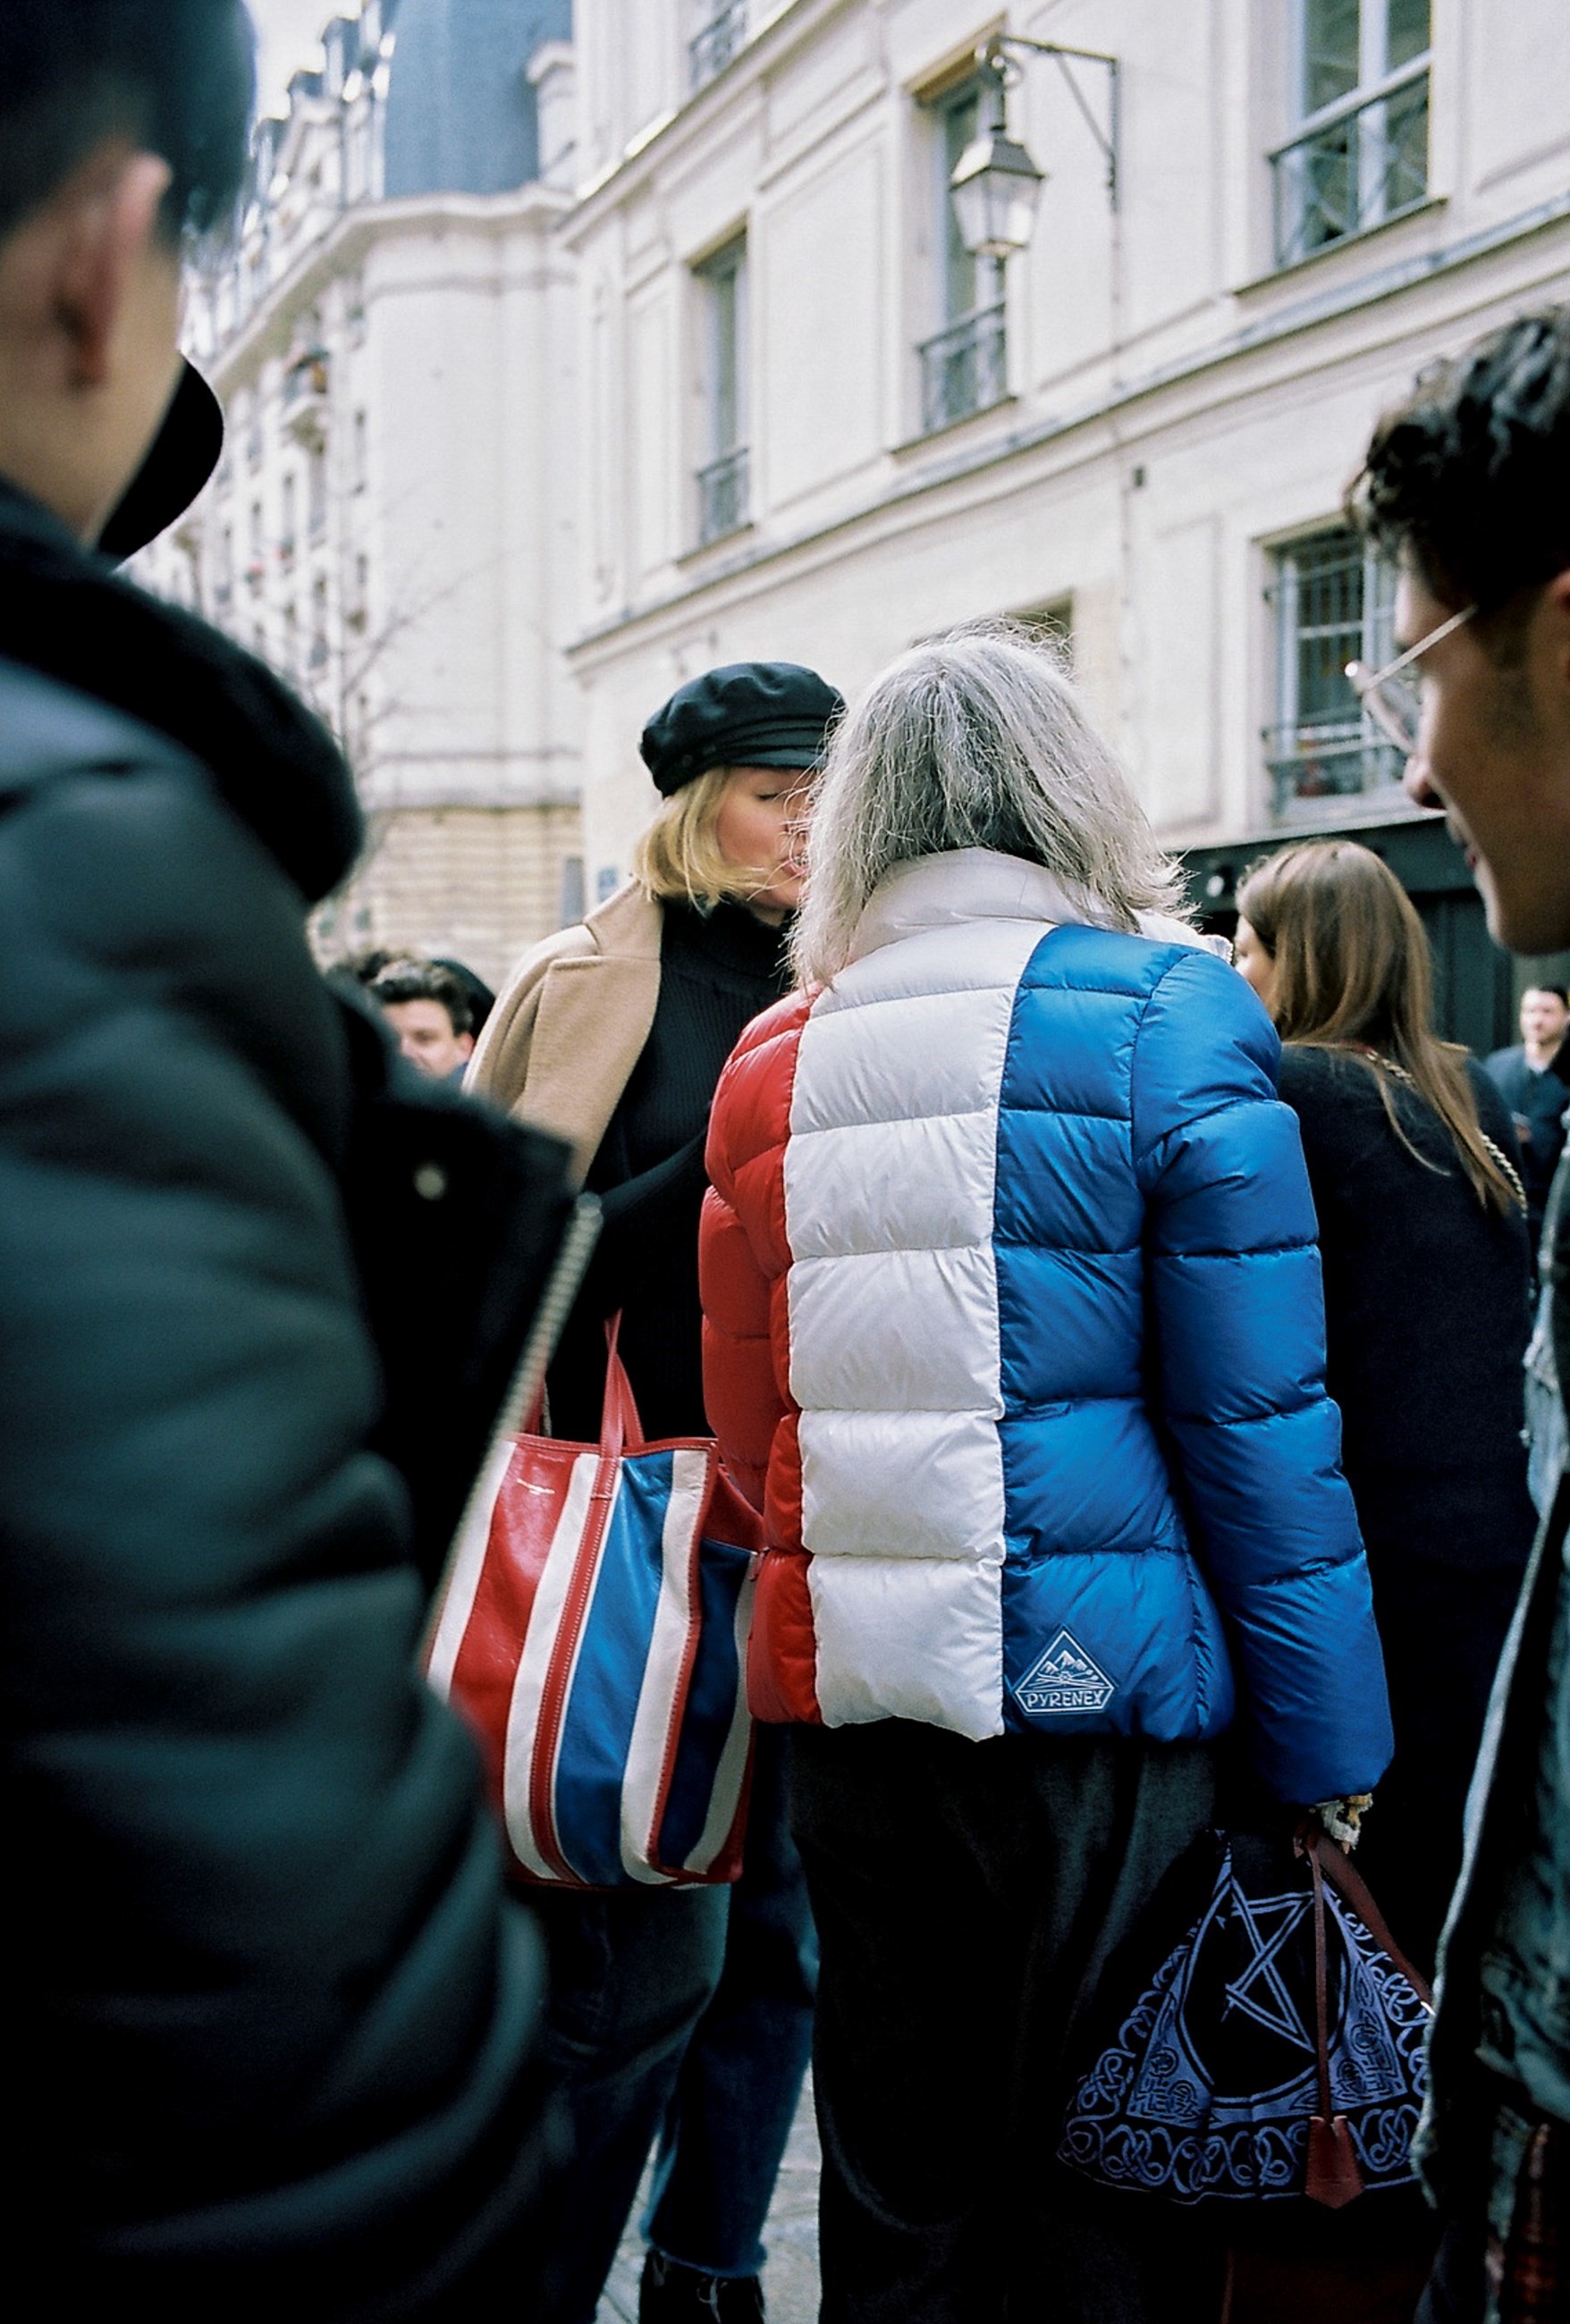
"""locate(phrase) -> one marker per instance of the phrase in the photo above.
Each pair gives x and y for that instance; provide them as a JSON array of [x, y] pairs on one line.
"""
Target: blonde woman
[[613, 1033]]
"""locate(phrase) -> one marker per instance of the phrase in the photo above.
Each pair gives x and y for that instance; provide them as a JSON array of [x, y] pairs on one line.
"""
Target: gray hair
[[978, 739]]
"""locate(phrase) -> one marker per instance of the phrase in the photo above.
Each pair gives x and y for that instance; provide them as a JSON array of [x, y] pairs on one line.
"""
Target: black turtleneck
[[718, 970]]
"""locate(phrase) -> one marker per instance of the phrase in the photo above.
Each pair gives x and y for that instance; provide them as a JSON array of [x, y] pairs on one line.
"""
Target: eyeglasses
[[1393, 704]]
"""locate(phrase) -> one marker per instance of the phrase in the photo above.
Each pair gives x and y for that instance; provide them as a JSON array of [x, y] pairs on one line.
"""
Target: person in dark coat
[[270, 2051], [1530, 1078], [613, 1033], [1422, 1232]]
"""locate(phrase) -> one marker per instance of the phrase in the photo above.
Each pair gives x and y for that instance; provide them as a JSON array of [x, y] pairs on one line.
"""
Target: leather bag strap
[[1321, 1981], [620, 1426], [1344, 1877]]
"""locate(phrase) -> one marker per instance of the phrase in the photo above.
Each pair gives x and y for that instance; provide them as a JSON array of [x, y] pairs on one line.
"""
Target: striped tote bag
[[591, 1628]]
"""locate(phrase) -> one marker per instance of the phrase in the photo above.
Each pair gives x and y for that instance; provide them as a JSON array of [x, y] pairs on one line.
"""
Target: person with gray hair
[[1015, 1333]]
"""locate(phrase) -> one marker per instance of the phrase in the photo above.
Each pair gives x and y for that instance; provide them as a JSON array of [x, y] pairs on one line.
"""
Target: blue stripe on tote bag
[[591, 1628]]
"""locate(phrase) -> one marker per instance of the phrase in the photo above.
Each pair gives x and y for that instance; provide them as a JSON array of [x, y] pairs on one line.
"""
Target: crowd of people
[[1142, 1350]]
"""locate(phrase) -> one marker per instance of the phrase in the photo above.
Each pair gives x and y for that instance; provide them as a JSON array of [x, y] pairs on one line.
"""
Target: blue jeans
[[632, 1970], [725, 2127]]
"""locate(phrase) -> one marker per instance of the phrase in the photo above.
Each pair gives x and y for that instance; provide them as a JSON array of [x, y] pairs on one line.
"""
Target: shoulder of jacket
[[49, 729]]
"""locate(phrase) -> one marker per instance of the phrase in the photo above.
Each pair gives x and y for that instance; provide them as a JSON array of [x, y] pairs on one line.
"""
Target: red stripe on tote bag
[[517, 1628]]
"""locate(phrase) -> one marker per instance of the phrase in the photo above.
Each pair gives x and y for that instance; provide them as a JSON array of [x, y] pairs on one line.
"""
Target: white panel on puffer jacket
[[903, 1485], [891, 1186], [895, 1330], [895, 1642], [897, 1059]]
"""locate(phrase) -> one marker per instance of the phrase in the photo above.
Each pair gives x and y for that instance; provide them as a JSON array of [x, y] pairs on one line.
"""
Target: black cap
[[747, 714], [177, 464]]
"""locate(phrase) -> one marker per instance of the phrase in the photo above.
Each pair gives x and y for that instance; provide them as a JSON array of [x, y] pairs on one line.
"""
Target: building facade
[[394, 343], [812, 426]]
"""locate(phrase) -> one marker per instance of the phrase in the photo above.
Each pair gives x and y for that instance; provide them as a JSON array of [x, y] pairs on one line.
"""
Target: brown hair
[[1353, 972]]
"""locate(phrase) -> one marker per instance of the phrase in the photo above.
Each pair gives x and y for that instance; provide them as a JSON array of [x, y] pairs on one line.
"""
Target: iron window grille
[[964, 368], [714, 44], [721, 496], [1364, 160], [1333, 602]]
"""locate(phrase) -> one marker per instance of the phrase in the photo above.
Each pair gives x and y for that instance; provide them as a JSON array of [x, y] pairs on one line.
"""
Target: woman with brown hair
[[1422, 1228]]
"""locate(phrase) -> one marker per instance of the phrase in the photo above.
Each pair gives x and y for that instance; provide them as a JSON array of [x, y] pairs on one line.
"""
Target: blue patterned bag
[[1274, 2052]]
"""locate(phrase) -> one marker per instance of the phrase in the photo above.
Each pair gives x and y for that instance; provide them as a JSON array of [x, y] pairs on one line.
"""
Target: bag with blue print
[[1273, 2054], [591, 1628]]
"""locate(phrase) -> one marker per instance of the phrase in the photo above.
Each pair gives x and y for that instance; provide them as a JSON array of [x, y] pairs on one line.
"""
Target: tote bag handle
[[621, 1430]]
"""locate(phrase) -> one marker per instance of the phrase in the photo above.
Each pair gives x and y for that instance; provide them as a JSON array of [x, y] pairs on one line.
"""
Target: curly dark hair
[[1471, 476]]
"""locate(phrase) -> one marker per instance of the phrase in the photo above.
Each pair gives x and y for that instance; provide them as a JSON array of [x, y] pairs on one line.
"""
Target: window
[[963, 365], [256, 567], [318, 622], [291, 517], [722, 478], [1332, 601], [316, 490], [361, 451], [570, 901], [1360, 153], [721, 32]]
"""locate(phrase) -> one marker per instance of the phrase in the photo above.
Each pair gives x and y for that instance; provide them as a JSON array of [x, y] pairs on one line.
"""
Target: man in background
[[1468, 484], [272, 2021], [1535, 1091], [427, 1011]]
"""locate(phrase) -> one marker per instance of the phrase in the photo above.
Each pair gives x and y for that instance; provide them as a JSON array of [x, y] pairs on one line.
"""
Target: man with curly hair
[[1469, 484]]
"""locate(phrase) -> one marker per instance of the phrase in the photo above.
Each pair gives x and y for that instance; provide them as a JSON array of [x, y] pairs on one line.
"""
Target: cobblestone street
[[790, 2277]]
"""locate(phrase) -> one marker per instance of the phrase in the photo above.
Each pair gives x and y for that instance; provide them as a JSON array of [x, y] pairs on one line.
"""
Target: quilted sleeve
[[741, 1257], [1238, 1319]]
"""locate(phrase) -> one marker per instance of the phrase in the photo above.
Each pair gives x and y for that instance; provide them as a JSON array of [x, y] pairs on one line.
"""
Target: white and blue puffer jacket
[[1014, 1330]]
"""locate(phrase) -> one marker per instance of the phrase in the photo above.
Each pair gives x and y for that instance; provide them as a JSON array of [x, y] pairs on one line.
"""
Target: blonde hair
[[978, 739], [1353, 973], [678, 859]]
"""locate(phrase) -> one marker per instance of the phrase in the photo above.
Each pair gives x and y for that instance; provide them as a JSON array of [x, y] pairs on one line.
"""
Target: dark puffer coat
[[270, 2019]]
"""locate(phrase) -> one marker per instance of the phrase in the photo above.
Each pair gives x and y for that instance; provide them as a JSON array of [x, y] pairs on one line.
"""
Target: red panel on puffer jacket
[[747, 1363]]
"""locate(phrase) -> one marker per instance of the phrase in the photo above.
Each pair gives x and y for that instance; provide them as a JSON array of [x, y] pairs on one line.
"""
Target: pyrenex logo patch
[[1065, 1679]]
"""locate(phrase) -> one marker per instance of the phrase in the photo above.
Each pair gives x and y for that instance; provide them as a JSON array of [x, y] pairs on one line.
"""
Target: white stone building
[[812, 427], [391, 524]]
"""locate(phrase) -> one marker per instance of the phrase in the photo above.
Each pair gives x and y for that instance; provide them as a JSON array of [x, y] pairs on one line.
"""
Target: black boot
[[671, 2294]]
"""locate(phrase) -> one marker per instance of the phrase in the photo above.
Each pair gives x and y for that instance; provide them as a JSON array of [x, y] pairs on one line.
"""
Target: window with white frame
[[721, 31], [721, 283], [1332, 600], [1359, 153], [962, 362]]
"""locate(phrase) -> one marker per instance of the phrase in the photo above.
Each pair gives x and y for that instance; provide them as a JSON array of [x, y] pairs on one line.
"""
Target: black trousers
[[968, 1896]]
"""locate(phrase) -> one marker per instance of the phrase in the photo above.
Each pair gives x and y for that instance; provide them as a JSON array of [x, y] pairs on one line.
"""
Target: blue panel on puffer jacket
[[1063, 1178], [1203, 1042], [1242, 1333], [1070, 1323], [1087, 1476], [1130, 1644], [1075, 1048], [1206, 1161]]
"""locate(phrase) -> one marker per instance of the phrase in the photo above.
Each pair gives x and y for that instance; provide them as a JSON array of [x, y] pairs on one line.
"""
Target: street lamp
[[996, 184]]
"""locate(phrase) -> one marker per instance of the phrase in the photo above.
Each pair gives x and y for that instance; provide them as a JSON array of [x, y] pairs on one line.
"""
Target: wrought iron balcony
[[964, 368], [721, 496], [1309, 764], [1359, 162], [712, 48]]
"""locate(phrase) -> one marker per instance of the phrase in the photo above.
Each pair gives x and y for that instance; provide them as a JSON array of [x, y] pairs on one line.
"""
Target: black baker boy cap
[[746, 713]]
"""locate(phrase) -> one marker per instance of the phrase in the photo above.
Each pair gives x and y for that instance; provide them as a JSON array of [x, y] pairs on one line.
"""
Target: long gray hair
[[978, 739]]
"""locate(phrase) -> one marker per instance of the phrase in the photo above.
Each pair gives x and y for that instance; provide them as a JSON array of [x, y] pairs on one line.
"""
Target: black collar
[[68, 613]]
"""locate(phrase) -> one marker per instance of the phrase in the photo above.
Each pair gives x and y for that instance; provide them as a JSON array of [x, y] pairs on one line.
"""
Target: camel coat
[[559, 1046]]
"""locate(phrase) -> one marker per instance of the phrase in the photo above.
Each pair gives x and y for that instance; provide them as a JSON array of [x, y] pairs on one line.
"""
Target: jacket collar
[[65, 612], [978, 883]]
